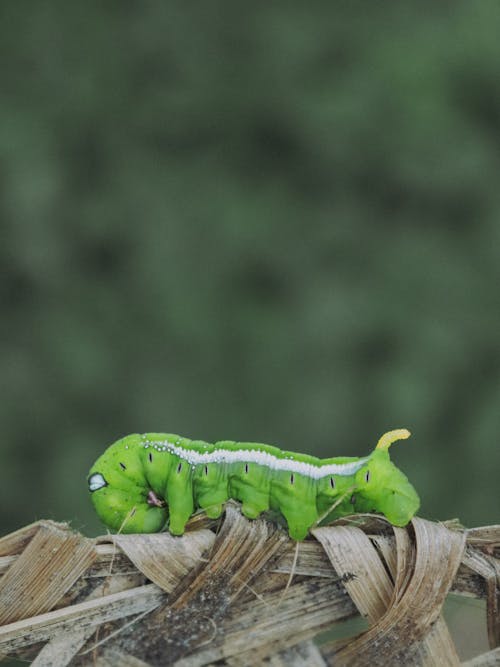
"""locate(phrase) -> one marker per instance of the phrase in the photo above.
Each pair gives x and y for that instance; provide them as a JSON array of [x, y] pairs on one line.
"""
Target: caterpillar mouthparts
[[154, 501]]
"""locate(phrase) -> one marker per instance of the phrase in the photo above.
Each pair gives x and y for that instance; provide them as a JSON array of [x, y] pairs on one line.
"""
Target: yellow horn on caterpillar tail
[[391, 436]]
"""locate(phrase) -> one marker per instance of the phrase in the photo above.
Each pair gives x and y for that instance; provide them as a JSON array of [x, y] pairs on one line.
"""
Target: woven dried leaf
[[245, 595]]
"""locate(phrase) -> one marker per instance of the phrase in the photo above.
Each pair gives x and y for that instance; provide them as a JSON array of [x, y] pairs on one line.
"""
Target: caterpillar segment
[[144, 483]]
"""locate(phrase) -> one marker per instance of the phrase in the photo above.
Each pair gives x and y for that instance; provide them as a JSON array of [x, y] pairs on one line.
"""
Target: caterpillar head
[[380, 482], [123, 497]]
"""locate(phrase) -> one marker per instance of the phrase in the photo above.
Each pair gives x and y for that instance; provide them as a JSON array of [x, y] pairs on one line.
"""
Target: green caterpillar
[[143, 481]]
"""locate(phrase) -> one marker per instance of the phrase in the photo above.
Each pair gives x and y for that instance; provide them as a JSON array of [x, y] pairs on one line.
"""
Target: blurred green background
[[258, 221]]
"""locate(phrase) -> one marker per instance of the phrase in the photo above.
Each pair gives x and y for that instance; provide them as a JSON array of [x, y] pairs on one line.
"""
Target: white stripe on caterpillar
[[256, 456]]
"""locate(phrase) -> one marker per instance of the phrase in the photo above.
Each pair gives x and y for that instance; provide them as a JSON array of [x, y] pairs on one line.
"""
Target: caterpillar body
[[144, 483]]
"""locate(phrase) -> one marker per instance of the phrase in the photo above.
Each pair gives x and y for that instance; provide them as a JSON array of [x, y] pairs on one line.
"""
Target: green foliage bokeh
[[258, 221]]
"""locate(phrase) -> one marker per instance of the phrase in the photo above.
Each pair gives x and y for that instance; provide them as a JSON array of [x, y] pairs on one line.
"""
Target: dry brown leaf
[[85, 614], [165, 559], [484, 536], [490, 659], [264, 627], [489, 569], [196, 607], [359, 567], [399, 635], [62, 648], [51, 563], [115, 658], [230, 607], [14, 543]]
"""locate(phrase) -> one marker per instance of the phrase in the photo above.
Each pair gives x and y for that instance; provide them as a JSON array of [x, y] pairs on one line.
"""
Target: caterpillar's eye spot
[[332, 482], [96, 482], [206, 470], [353, 499], [150, 457], [179, 467], [123, 466], [246, 468], [292, 479], [367, 476]]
